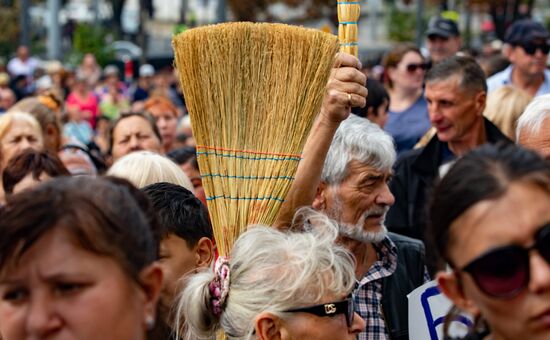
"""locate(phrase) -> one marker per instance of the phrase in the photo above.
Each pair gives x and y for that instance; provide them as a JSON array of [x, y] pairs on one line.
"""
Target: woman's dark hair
[[103, 217], [31, 162], [183, 155], [483, 174], [146, 207], [377, 97], [394, 57], [123, 116]]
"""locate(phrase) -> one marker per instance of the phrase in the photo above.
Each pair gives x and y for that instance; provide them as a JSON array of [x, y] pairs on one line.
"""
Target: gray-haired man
[[354, 192]]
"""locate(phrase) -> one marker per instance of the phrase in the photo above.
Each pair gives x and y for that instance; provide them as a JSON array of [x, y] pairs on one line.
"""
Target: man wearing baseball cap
[[443, 39], [527, 47]]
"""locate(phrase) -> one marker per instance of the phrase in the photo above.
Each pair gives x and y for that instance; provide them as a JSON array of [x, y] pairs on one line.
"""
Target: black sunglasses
[[504, 272], [413, 67], [531, 48], [346, 307]]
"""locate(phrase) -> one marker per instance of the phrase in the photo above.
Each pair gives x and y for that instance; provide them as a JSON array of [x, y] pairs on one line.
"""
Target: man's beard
[[356, 231]]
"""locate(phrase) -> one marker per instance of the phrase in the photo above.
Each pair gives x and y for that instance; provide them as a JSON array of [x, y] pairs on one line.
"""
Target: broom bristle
[[253, 91]]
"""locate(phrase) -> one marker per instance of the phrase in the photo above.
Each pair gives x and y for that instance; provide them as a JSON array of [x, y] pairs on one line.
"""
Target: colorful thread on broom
[[349, 44], [348, 23], [267, 198], [249, 151], [249, 158], [249, 177], [347, 2]]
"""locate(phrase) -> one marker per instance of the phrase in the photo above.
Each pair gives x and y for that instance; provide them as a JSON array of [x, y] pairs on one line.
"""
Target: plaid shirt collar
[[385, 264], [368, 295]]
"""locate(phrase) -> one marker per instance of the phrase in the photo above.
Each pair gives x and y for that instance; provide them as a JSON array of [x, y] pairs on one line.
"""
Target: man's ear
[[151, 284], [204, 253], [319, 202], [270, 327], [480, 101], [450, 286]]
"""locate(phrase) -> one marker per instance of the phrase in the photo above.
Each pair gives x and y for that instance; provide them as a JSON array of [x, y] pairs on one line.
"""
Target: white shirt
[[18, 67]]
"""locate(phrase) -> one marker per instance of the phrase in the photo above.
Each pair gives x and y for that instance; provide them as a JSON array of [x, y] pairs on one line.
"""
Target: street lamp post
[[54, 31], [24, 23]]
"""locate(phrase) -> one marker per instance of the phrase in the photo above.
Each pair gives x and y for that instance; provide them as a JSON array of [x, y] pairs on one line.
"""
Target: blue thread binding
[[249, 177], [206, 153], [348, 2], [348, 23], [267, 198]]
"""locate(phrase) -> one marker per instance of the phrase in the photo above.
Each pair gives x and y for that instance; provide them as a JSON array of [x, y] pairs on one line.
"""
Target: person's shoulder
[[402, 241], [406, 158], [500, 75], [499, 79]]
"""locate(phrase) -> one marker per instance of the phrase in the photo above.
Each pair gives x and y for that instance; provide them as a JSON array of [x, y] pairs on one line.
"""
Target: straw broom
[[253, 91], [348, 16]]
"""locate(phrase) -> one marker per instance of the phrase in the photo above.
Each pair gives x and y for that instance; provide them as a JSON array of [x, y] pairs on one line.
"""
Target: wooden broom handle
[[348, 16]]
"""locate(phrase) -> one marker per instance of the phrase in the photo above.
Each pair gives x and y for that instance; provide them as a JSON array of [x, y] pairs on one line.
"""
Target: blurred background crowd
[[89, 88]]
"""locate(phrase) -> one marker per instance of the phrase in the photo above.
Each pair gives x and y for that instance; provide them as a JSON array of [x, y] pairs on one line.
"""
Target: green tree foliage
[[89, 39], [10, 30], [401, 25]]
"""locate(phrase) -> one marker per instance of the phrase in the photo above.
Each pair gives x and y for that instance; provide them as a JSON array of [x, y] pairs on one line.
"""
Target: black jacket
[[408, 276], [415, 173]]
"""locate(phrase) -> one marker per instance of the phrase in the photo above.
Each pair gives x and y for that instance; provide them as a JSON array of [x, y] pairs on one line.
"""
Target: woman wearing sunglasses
[[491, 223], [408, 112], [275, 285]]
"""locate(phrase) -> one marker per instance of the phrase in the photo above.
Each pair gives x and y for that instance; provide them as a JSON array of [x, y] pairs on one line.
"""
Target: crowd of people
[[437, 170]]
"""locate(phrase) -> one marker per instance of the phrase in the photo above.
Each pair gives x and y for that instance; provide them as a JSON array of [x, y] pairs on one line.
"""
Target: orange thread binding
[[249, 151]]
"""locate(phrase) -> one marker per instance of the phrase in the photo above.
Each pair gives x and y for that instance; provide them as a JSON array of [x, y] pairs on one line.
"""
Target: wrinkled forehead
[[356, 168], [132, 125], [20, 127]]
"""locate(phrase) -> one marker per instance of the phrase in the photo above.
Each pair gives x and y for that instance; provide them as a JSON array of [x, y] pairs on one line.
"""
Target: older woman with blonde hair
[[142, 168], [46, 108], [504, 107], [18, 131]]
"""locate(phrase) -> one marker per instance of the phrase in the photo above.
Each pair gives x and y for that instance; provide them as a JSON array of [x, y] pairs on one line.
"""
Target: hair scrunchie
[[219, 287]]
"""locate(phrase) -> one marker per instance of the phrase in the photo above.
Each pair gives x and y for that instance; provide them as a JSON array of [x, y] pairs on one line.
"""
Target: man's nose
[[134, 142], [385, 197]]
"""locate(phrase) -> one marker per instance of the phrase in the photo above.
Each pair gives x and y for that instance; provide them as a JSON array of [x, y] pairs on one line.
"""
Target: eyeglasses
[[531, 48], [504, 272], [413, 67], [346, 307]]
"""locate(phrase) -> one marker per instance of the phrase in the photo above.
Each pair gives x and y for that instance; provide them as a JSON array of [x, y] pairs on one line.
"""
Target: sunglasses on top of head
[[413, 67], [346, 307], [531, 48], [505, 272]]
